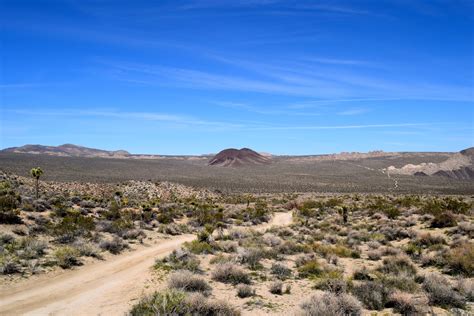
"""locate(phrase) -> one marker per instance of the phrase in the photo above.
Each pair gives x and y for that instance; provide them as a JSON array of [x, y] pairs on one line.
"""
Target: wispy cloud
[[269, 110], [350, 112], [299, 80], [194, 122], [335, 61], [361, 126], [146, 116]]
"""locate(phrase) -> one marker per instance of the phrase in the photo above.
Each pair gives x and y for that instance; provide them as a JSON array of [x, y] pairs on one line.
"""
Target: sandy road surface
[[100, 288]]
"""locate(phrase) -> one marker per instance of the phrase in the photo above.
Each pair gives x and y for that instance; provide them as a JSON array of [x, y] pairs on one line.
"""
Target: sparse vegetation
[[393, 243]]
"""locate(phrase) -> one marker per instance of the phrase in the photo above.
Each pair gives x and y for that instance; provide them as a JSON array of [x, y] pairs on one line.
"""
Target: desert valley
[[236, 233]]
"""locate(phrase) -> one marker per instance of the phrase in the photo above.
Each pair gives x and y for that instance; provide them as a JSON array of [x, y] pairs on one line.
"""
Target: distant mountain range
[[458, 165], [68, 150]]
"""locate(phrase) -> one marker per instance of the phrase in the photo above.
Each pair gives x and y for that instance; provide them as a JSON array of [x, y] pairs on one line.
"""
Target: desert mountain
[[459, 166], [67, 150], [238, 157]]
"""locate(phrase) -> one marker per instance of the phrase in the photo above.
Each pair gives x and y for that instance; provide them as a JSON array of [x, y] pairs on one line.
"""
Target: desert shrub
[[199, 247], [73, 225], [197, 304], [165, 217], [276, 287], [87, 249], [6, 239], [445, 219], [207, 214], [230, 273], [466, 288], [173, 229], [457, 205], [401, 281], [9, 201], [187, 281], [170, 302], [429, 240], [30, 248], [114, 246], [179, 260], [380, 204], [441, 293], [436, 206], [228, 246], [133, 234], [374, 255], [408, 201], [330, 304], [405, 304], [374, 295], [333, 285], [280, 271], [250, 256], [362, 274], [67, 257], [310, 268], [460, 259], [290, 247], [337, 250], [244, 290], [9, 264], [398, 265]]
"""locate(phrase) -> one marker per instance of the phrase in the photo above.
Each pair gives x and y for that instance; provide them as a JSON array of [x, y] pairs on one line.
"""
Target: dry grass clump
[[187, 281], [230, 273], [330, 304]]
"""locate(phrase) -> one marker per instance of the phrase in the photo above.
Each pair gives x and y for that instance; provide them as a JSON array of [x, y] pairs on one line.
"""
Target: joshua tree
[[36, 173]]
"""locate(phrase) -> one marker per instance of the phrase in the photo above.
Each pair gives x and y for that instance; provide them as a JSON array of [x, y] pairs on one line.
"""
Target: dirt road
[[100, 288]]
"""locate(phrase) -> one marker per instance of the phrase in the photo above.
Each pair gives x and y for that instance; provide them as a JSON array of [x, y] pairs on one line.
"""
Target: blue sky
[[193, 77]]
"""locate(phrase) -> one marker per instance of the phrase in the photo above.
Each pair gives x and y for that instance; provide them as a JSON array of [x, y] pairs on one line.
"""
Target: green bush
[[177, 260], [177, 303], [445, 219], [310, 269], [67, 257], [170, 302], [199, 247], [9, 201], [73, 225]]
